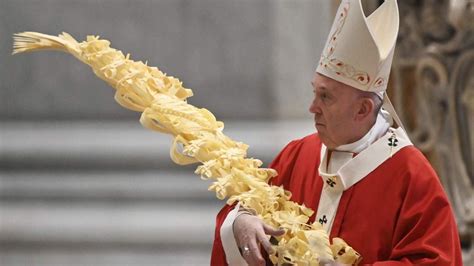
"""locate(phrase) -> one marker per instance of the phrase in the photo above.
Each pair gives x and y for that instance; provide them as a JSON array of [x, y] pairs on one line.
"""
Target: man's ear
[[366, 108]]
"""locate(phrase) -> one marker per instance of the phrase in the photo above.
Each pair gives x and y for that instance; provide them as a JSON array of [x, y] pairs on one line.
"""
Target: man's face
[[334, 109]]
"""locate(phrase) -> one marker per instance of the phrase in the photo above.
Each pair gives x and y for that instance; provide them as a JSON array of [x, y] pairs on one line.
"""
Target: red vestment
[[397, 215]]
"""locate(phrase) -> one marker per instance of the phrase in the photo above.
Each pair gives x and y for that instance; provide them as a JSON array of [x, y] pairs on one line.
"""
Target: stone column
[[434, 94]]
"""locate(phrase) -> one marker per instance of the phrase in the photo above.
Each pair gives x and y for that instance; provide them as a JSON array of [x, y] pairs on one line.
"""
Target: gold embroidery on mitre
[[379, 82], [335, 65]]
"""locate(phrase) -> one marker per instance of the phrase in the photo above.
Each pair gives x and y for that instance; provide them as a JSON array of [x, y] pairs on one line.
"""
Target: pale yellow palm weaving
[[198, 138]]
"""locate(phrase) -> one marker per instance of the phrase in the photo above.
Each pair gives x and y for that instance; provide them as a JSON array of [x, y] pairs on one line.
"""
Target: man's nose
[[314, 107]]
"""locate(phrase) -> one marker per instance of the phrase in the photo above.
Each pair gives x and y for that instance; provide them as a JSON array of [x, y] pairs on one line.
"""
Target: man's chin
[[319, 127]]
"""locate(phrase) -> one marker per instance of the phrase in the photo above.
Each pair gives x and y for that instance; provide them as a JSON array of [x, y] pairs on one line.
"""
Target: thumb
[[272, 231]]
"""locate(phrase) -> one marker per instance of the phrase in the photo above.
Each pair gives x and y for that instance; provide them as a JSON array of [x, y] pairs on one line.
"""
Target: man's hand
[[250, 232]]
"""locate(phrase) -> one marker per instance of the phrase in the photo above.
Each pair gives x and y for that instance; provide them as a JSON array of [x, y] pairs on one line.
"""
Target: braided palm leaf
[[198, 138]]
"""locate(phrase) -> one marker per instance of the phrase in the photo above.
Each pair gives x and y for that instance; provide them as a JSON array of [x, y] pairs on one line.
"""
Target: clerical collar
[[379, 129]]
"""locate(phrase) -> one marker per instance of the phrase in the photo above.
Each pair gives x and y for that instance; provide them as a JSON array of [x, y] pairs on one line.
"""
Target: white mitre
[[359, 49]]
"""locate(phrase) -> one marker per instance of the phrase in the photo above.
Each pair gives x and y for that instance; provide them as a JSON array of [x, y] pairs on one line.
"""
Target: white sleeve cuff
[[229, 244]]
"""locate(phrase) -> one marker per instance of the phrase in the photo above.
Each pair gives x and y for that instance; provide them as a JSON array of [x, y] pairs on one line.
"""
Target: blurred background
[[82, 183]]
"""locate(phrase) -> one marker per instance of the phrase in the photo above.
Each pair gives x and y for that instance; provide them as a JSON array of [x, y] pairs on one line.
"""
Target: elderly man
[[360, 173]]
